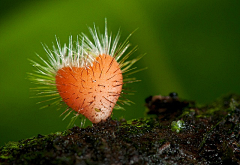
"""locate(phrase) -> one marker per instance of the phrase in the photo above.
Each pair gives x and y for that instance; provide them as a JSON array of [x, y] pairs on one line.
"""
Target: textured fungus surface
[[210, 135], [91, 91]]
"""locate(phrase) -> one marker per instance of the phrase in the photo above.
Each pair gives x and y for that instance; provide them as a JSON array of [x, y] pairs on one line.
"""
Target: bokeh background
[[192, 48]]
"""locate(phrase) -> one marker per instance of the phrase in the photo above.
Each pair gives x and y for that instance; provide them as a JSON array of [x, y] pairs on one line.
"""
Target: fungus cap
[[87, 76]]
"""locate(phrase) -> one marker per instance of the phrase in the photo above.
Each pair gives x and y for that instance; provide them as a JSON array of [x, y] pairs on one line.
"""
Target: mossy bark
[[189, 134]]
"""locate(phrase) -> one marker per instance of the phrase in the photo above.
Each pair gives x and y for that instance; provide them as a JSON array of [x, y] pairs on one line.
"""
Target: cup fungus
[[87, 76]]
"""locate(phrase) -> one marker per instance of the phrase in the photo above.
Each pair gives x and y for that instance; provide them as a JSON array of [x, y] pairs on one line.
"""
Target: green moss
[[207, 139], [220, 107]]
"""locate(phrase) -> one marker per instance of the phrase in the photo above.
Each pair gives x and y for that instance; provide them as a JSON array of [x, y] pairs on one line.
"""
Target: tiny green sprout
[[177, 125]]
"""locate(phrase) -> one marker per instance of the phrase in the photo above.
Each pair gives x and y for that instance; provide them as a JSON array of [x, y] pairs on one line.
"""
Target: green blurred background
[[192, 48]]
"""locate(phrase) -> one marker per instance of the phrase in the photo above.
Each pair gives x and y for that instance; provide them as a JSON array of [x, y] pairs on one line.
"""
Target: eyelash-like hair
[[82, 53]]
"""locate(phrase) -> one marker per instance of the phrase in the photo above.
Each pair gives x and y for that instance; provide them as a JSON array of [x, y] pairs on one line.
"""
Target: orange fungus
[[92, 91], [87, 74]]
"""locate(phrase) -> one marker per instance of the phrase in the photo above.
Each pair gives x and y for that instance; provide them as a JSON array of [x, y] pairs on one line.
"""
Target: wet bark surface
[[177, 131]]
